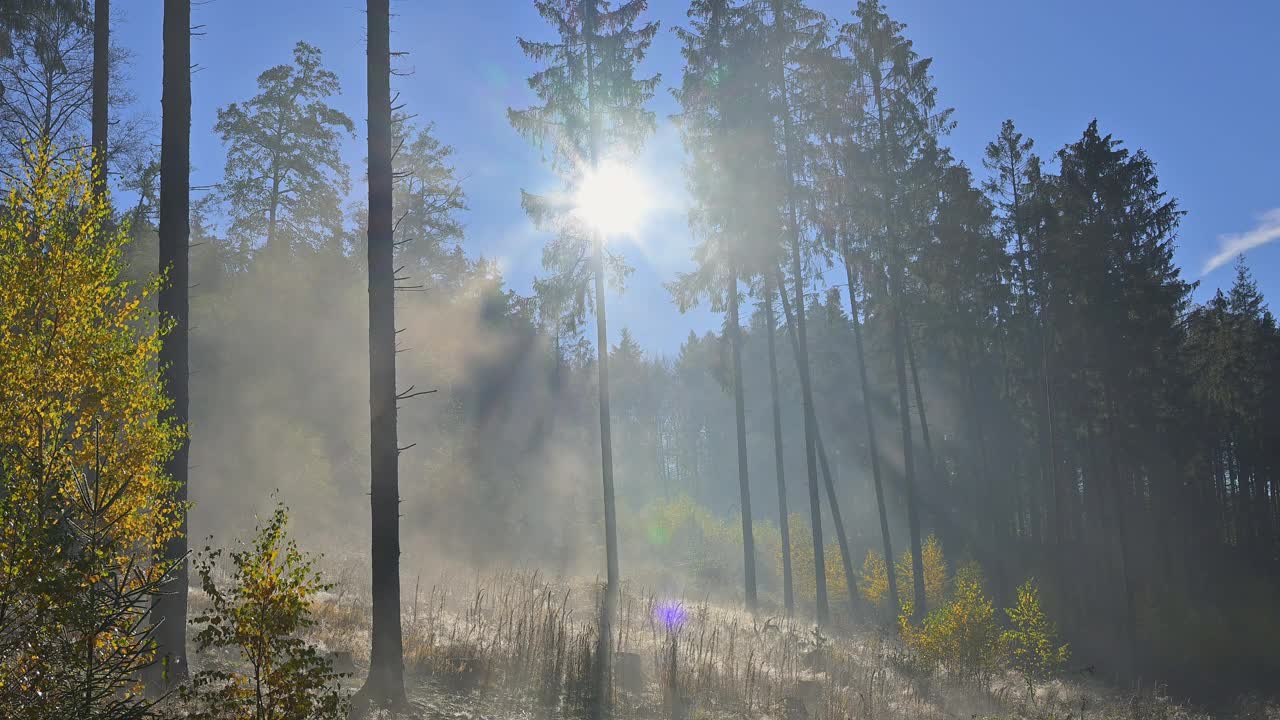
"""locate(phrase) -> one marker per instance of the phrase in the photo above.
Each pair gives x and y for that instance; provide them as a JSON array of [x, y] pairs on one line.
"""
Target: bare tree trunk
[[611, 591], [920, 605], [169, 612], [897, 302], [784, 519], [385, 684], [986, 486], [873, 448], [837, 519], [604, 662], [925, 438], [823, 610], [101, 63], [744, 484]]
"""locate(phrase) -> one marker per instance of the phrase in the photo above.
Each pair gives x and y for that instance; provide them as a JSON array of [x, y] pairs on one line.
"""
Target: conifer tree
[[384, 686], [903, 119], [284, 173], [795, 27], [727, 130], [170, 611], [101, 78], [51, 77], [784, 519], [592, 108], [1013, 186]]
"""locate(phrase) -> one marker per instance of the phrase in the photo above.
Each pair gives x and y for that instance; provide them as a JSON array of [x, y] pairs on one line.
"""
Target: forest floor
[[516, 645]]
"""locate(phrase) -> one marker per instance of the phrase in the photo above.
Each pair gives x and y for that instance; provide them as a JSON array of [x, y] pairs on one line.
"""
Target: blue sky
[[1195, 84]]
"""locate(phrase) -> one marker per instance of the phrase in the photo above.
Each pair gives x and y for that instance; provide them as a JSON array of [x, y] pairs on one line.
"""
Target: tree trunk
[[988, 533], [273, 210], [101, 63], [784, 520], [169, 612], [897, 302], [837, 520], [920, 604], [822, 608], [604, 663], [385, 684], [923, 416], [606, 465], [744, 484], [873, 448]]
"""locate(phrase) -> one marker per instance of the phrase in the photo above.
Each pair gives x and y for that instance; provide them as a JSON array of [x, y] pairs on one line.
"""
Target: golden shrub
[[960, 636], [1032, 641]]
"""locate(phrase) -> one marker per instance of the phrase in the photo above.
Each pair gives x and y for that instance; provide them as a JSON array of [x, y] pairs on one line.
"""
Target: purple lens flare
[[671, 614]]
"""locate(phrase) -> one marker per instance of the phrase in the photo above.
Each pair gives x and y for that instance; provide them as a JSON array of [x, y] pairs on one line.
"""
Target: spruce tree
[[101, 78], [384, 686], [284, 174], [903, 119], [795, 27], [170, 610], [592, 108], [727, 128]]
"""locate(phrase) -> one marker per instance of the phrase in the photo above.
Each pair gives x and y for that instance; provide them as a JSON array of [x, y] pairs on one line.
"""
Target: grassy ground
[[517, 645]]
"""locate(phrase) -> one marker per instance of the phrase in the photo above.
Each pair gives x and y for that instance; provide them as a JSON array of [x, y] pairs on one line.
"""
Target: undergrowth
[[519, 644]]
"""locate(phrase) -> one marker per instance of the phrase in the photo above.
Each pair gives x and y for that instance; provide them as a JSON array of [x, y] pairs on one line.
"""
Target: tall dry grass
[[519, 644]]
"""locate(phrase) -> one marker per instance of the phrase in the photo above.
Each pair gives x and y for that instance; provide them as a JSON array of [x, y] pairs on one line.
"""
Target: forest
[[957, 441]]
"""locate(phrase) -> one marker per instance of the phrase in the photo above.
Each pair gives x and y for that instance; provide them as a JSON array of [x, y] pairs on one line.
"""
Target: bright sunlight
[[613, 198]]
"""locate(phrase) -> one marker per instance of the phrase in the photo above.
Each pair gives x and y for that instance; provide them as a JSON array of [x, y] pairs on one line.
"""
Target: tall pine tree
[[592, 108]]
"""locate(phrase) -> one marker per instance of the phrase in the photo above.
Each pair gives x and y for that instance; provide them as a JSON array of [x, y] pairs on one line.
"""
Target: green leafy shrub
[[260, 617]]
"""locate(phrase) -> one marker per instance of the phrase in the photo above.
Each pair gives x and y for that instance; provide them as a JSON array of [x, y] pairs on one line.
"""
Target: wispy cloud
[[1231, 245]]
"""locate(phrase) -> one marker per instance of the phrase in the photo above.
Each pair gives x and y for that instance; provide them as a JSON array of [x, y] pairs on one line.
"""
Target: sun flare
[[613, 198]]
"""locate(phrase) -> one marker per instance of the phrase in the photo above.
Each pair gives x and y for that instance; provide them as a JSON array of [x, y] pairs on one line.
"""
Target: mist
[[818, 403]]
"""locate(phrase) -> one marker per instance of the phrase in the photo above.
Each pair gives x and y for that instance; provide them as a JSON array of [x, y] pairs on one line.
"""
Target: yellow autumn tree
[[803, 578], [1032, 639], [84, 504], [873, 585], [935, 574], [874, 581], [959, 635]]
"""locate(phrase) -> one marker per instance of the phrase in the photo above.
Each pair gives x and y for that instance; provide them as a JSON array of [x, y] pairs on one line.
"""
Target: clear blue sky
[[1195, 84]]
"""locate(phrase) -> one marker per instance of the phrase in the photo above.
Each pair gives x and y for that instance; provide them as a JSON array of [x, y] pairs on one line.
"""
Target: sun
[[613, 199]]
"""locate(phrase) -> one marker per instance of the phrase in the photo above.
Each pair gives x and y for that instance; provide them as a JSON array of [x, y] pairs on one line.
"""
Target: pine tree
[[592, 107], [101, 78], [1015, 187], [1118, 228], [903, 120], [384, 686], [726, 128], [428, 198], [794, 28], [784, 524], [170, 611], [284, 174]]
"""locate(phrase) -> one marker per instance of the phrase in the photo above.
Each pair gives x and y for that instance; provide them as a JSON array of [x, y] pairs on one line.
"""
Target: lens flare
[[613, 199], [671, 614]]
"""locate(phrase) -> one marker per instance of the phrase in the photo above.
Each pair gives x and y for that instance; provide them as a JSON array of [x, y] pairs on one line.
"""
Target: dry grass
[[517, 644]]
